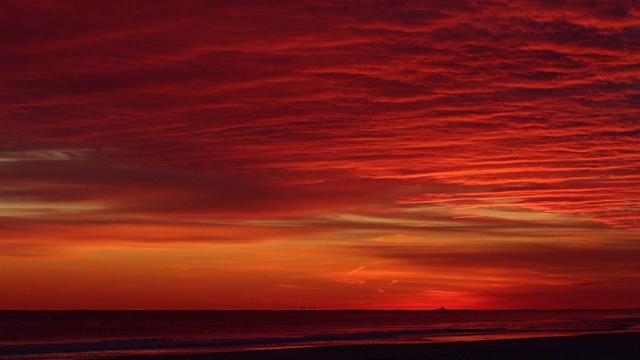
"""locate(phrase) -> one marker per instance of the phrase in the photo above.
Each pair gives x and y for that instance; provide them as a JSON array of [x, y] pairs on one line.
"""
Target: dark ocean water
[[99, 334]]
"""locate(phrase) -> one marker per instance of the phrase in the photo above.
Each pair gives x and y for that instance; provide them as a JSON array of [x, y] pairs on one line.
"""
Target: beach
[[239, 335], [610, 346]]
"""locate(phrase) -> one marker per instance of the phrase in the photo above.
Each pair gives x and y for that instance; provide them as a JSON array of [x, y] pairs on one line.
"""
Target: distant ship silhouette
[[442, 309]]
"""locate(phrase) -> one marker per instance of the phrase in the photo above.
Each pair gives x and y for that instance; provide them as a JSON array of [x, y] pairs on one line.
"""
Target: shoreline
[[612, 345]]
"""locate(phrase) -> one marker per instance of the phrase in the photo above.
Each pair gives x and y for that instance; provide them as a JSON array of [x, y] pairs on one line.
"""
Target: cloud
[[534, 256], [321, 121], [449, 94], [356, 270], [28, 250]]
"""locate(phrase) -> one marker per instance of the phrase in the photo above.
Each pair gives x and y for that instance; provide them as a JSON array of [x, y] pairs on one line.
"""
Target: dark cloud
[[551, 258]]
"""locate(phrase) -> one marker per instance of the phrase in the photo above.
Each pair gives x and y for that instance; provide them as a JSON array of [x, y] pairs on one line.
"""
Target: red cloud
[[321, 116]]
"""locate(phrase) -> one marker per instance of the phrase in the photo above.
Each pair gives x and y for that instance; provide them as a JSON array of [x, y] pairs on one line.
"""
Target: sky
[[321, 154]]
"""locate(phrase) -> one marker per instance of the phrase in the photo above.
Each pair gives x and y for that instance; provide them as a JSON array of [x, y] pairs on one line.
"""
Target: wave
[[163, 343], [316, 329]]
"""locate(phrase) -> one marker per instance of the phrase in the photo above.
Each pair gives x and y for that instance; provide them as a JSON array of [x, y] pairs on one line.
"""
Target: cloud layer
[[322, 122]]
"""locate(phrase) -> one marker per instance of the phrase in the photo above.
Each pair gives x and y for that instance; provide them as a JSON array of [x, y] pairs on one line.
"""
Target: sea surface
[[103, 334]]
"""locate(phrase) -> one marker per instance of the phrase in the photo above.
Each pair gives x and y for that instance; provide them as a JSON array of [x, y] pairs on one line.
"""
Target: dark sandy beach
[[611, 346]]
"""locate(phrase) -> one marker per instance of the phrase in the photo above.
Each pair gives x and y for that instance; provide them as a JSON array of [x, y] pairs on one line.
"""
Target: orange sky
[[327, 154]]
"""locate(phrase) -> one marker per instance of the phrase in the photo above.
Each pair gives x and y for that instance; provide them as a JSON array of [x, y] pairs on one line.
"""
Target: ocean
[[104, 334]]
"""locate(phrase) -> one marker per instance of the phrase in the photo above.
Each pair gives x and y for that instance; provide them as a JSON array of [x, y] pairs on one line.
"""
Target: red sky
[[328, 154]]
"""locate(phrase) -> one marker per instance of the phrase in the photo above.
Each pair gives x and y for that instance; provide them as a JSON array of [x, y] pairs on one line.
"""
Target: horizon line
[[321, 310]]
